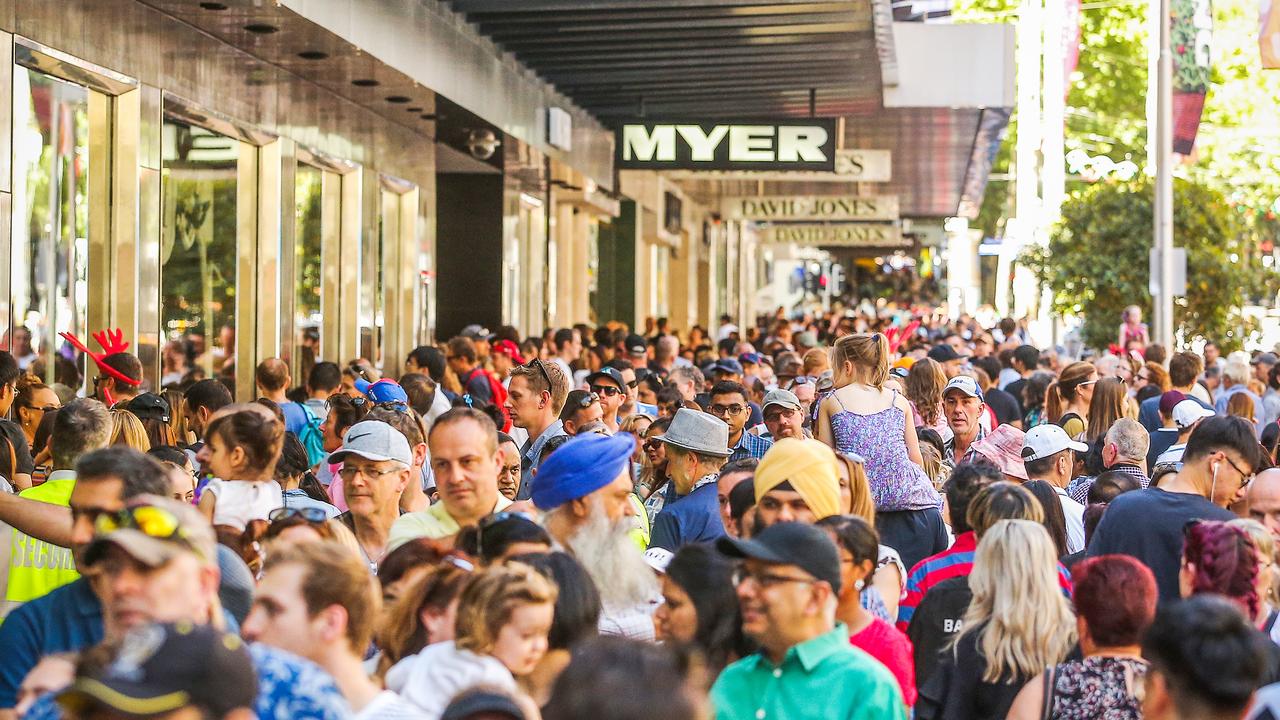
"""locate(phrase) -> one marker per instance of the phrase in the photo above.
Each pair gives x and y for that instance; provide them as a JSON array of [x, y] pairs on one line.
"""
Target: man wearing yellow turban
[[797, 481]]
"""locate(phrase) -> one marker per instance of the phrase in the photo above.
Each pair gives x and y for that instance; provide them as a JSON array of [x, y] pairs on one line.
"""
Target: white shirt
[[1074, 513], [1173, 454], [430, 679], [387, 705], [239, 502], [564, 368]]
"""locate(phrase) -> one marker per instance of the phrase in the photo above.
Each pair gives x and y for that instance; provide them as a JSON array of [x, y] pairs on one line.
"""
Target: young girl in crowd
[[863, 418], [503, 617], [923, 387], [242, 445]]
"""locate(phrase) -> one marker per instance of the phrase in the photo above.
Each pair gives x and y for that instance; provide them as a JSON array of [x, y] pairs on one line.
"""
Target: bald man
[[1264, 500], [272, 379]]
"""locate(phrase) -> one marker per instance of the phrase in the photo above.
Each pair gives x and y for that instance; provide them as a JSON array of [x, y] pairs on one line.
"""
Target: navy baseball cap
[[610, 373], [727, 365], [751, 358], [788, 543]]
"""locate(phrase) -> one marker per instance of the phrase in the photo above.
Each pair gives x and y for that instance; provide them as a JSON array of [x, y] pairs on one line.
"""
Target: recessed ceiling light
[[261, 28], [414, 109], [397, 99], [313, 55], [427, 116], [365, 82], [213, 6]]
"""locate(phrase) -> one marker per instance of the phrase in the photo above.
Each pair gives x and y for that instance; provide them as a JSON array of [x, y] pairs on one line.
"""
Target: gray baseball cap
[[374, 440], [785, 398]]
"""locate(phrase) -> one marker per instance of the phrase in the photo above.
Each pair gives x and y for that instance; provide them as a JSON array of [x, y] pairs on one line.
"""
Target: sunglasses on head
[[537, 364], [585, 401], [154, 522], [310, 514]]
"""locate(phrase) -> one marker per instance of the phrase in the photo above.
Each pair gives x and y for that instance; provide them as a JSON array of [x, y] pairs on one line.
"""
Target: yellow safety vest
[[35, 566], [639, 533]]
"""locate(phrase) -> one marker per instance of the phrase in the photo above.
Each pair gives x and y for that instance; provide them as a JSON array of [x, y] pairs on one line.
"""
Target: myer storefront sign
[[877, 235], [812, 207], [851, 166], [773, 145]]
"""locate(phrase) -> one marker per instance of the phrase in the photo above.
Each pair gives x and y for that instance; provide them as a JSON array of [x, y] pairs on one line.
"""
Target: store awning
[[693, 58]]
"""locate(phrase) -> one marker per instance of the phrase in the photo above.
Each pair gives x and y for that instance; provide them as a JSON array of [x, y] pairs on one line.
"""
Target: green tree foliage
[[1096, 262]]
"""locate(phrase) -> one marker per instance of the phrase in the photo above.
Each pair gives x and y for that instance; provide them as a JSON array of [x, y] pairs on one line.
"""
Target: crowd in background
[[853, 514]]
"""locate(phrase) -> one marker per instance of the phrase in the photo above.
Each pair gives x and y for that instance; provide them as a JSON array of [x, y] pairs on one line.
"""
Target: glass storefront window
[[198, 247], [307, 267], [49, 261], [369, 315]]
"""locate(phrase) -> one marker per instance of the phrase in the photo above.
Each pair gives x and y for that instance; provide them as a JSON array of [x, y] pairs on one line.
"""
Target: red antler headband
[[112, 341]]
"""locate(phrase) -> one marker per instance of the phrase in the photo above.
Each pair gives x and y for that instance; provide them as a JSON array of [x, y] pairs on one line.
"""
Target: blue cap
[[964, 384], [728, 365], [580, 467], [752, 358], [383, 391], [608, 372]]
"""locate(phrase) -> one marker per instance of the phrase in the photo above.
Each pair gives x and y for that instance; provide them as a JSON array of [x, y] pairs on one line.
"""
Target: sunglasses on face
[[605, 390]]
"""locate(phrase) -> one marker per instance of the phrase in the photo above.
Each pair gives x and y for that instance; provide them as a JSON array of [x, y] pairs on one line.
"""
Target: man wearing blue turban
[[584, 489]]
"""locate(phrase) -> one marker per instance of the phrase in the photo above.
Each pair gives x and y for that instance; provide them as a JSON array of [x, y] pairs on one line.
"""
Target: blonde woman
[[1267, 599], [890, 578], [1018, 623], [127, 429]]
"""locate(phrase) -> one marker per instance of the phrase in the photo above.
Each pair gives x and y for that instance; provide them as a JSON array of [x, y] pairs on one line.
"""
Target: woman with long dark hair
[[701, 606], [1055, 521], [859, 548]]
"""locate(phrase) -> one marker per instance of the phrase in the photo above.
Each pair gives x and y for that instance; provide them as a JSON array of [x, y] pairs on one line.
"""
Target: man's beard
[[613, 561]]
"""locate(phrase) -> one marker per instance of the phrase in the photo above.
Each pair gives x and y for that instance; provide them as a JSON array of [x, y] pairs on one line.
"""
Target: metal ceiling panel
[[695, 58]]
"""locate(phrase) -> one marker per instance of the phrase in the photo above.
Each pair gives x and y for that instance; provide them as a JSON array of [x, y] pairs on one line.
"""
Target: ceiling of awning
[[703, 58]]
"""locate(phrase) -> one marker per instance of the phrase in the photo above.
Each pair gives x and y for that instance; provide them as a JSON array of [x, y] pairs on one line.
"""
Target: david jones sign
[[813, 207], [879, 235], [808, 144]]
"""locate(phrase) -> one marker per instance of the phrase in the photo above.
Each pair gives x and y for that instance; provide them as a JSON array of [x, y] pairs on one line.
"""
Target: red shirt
[[887, 644]]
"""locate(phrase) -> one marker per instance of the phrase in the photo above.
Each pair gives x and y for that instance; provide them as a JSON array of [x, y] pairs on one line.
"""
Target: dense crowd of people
[[849, 515]]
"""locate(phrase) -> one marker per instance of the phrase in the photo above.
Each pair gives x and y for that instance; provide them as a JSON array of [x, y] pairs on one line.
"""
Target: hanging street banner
[[879, 235], [769, 145], [851, 166], [1190, 38], [812, 207]]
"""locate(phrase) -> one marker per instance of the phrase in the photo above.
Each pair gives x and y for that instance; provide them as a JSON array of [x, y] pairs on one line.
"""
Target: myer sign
[[812, 207], [878, 235], [769, 145]]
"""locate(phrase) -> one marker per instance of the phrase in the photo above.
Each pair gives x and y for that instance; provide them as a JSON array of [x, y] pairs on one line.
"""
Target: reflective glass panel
[[198, 246], [308, 182], [49, 271]]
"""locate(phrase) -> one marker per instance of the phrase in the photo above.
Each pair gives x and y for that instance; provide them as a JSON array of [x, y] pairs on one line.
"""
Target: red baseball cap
[[508, 348]]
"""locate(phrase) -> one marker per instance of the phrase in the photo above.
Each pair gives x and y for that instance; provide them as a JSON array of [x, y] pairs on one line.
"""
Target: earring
[[858, 585]]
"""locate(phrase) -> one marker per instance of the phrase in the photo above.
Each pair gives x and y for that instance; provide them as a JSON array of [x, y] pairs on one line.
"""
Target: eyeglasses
[[734, 409], [605, 390], [536, 363], [767, 580], [349, 473], [310, 514], [154, 522], [1245, 478]]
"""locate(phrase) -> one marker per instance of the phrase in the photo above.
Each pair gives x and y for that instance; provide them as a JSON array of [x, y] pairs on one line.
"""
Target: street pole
[[1163, 149]]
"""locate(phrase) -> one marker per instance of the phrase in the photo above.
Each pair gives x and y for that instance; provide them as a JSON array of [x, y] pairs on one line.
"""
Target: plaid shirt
[[1078, 489], [750, 445], [949, 459]]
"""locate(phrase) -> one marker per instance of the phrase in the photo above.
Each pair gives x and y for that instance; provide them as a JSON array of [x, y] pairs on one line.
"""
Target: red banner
[[1191, 37]]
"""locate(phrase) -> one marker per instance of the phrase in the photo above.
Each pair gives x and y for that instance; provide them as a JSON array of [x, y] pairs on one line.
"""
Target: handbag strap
[[1047, 703]]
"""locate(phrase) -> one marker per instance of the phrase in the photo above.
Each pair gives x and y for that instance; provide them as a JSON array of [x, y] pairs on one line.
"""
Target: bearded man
[[584, 488]]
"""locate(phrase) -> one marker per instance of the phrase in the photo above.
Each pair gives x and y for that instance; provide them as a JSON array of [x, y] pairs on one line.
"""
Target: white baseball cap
[[1044, 441], [964, 384], [1187, 412]]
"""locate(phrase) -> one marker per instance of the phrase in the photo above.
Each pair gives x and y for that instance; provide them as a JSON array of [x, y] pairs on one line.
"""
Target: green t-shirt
[[825, 677]]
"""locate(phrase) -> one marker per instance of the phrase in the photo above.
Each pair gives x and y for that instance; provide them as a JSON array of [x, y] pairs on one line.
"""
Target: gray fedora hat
[[698, 432]]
